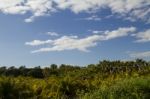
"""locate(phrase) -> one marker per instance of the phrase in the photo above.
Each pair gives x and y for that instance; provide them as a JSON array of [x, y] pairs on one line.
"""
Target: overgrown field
[[105, 80]]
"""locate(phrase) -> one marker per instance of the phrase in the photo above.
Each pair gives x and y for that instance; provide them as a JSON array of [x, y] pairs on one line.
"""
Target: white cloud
[[30, 19], [35, 7], [39, 8], [97, 32], [119, 33], [52, 33], [75, 5], [9, 3], [140, 54], [92, 18], [133, 9], [12, 6], [81, 44], [38, 42], [143, 36], [71, 43]]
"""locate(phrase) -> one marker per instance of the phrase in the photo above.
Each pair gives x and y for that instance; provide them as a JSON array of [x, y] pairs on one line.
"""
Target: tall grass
[[68, 88], [131, 88]]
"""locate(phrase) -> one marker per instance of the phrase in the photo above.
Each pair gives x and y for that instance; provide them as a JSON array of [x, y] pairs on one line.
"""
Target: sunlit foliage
[[105, 80]]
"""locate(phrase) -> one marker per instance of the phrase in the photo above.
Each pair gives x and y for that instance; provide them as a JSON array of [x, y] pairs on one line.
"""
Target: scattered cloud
[[119, 33], [143, 36], [35, 7], [109, 16], [52, 33], [140, 54], [133, 9], [97, 32], [38, 42], [81, 44], [71, 43], [92, 18]]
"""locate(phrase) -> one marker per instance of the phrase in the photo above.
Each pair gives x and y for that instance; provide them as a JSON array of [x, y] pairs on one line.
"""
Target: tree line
[[104, 67]]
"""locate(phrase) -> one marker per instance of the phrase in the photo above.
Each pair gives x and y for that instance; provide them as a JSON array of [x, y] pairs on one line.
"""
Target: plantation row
[[105, 80]]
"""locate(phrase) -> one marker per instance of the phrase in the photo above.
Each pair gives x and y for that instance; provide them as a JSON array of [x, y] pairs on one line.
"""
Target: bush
[[10, 89], [134, 88]]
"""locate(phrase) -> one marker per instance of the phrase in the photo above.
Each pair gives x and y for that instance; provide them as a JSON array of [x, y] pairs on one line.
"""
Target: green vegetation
[[105, 80]]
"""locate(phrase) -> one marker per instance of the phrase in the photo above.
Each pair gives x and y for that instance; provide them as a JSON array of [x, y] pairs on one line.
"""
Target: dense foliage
[[105, 80]]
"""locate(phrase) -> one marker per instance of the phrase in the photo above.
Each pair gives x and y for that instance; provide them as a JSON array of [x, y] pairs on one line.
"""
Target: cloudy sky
[[42, 32]]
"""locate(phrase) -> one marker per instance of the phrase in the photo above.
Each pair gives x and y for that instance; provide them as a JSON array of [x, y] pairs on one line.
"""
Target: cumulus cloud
[[140, 54], [135, 9], [12, 6], [81, 44], [39, 8], [35, 7], [143, 36], [129, 9]]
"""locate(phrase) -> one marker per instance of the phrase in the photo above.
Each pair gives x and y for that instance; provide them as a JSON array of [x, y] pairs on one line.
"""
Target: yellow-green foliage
[[70, 88], [100, 81]]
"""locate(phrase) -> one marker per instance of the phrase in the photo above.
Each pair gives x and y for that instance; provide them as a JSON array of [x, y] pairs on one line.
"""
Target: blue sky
[[43, 32]]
